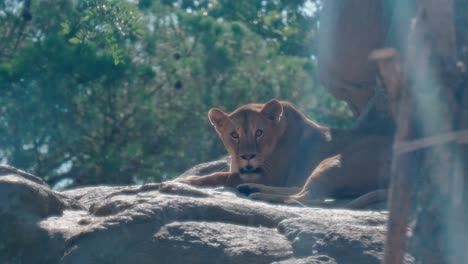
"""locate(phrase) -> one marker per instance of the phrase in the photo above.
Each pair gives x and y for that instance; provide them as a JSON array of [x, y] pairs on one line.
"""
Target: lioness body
[[275, 145]]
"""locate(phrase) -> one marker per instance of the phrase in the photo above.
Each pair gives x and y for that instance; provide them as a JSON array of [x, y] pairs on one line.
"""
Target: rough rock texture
[[175, 223], [209, 167]]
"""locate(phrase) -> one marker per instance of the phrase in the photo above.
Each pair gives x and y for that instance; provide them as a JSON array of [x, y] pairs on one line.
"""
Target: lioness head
[[250, 134]]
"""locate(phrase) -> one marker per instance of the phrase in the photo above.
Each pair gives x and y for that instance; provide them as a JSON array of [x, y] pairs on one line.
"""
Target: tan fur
[[293, 159]]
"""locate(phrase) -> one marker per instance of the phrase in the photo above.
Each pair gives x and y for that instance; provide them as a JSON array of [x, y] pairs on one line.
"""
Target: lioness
[[275, 150]]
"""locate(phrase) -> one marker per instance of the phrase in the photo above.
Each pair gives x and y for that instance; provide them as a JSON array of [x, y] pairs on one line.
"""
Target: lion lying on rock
[[278, 155]]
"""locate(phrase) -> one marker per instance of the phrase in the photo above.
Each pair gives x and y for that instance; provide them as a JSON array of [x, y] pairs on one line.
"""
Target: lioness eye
[[234, 135], [258, 133]]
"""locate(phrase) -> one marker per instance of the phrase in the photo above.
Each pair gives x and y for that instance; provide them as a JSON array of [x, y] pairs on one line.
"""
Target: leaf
[[74, 41], [85, 19], [65, 28]]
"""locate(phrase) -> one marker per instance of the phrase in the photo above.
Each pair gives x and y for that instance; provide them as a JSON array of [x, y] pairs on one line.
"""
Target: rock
[[209, 167], [20, 194], [347, 239], [5, 170], [23, 203], [223, 242], [349, 31], [309, 260], [175, 223]]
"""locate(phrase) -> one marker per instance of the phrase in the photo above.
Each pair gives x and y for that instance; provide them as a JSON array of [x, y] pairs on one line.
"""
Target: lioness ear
[[217, 118], [273, 110]]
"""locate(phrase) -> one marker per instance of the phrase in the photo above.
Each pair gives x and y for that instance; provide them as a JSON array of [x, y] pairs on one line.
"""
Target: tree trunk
[[426, 80], [430, 162]]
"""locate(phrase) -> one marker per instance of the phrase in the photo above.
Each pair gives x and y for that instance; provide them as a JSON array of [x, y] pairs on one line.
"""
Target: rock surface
[[208, 167], [175, 223], [349, 31]]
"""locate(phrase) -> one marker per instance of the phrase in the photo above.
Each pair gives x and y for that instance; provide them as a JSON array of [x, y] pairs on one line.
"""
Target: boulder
[[349, 31], [175, 223]]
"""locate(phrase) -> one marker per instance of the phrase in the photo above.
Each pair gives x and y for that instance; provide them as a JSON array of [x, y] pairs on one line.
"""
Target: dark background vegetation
[[117, 92]]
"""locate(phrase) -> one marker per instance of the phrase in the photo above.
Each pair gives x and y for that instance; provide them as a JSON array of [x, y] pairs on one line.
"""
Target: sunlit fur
[[246, 121]]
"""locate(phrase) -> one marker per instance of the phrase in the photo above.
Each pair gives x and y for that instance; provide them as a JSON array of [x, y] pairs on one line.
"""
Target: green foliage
[[104, 23], [105, 91], [285, 22]]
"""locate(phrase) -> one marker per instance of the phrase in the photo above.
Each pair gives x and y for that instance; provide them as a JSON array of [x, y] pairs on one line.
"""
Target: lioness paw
[[249, 188], [256, 196]]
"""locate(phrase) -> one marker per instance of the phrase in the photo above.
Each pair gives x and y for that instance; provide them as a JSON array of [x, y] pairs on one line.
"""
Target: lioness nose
[[248, 156]]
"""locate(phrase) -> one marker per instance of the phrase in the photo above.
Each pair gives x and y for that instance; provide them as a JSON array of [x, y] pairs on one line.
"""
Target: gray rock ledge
[[175, 223]]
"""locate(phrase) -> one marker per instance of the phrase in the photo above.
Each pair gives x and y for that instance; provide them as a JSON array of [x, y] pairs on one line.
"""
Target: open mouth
[[250, 170]]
